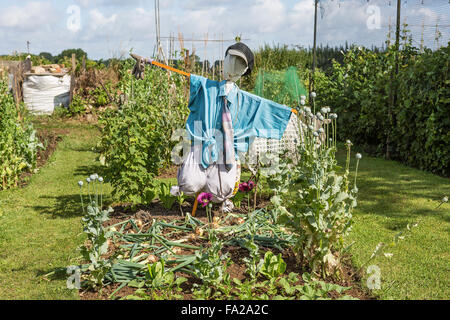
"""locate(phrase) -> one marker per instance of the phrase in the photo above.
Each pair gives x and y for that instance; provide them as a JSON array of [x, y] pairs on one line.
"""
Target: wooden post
[[393, 91], [312, 84], [186, 60], [256, 182], [72, 77], [17, 83]]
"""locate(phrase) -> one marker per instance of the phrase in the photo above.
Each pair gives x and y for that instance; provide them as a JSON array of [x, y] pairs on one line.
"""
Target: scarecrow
[[222, 123]]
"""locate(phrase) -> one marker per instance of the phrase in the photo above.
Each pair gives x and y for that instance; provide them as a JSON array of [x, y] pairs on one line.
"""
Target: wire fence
[[428, 22]]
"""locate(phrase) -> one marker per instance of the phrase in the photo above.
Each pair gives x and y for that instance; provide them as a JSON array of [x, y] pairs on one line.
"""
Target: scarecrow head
[[239, 61]]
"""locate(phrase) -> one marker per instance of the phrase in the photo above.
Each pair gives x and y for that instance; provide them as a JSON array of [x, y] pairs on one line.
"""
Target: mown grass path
[[40, 227], [390, 196]]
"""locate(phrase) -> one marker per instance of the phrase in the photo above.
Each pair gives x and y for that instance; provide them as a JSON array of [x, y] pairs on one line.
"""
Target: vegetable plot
[[172, 258], [18, 141], [306, 220]]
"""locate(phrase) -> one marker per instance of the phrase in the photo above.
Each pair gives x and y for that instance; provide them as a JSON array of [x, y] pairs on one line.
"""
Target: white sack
[[42, 94]]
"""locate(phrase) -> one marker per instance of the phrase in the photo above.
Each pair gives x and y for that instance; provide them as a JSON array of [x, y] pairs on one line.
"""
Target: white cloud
[[199, 21], [29, 16], [140, 20], [301, 17], [115, 3], [109, 24], [267, 15], [99, 21]]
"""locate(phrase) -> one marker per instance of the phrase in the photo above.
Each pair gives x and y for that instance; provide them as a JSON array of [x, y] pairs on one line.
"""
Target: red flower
[[204, 198], [243, 187], [246, 186]]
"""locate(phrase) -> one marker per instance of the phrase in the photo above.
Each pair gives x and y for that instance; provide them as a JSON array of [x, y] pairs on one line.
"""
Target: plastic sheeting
[[42, 93]]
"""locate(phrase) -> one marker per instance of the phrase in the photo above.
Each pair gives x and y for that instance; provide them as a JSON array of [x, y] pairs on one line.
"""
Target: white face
[[233, 67]]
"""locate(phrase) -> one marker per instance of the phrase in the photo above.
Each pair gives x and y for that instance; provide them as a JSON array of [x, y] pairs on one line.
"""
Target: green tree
[[47, 56], [79, 54]]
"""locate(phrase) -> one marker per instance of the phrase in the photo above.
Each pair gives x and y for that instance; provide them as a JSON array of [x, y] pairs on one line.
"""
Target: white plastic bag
[[194, 178]]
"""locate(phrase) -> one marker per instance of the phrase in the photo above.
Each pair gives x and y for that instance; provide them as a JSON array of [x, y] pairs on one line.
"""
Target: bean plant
[[18, 140], [135, 143], [413, 128]]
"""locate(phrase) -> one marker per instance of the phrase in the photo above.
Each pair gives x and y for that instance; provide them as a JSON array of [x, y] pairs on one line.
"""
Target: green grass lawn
[[391, 196], [40, 227]]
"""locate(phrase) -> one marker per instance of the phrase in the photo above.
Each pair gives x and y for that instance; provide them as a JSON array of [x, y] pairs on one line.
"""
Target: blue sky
[[110, 28]]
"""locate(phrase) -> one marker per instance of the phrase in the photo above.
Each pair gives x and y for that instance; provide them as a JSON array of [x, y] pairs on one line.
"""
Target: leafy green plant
[[97, 237], [314, 289], [311, 199], [210, 267], [18, 141], [78, 105], [273, 266], [416, 130], [100, 97], [60, 112], [157, 278], [237, 199], [287, 288], [134, 144], [165, 196]]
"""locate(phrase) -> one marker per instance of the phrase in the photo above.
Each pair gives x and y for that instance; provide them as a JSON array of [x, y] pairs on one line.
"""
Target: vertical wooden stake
[[194, 209], [72, 78], [84, 63]]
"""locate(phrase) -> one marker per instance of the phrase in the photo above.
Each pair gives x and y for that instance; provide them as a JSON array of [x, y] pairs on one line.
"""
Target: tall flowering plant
[[313, 199]]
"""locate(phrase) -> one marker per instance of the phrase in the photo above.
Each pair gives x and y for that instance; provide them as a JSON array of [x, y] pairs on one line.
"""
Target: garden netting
[[283, 86]]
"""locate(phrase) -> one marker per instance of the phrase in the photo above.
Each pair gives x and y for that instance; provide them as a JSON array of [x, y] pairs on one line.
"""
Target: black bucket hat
[[241, 50]]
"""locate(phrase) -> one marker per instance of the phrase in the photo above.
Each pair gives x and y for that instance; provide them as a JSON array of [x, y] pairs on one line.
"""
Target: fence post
[[72, 77], [313, 76], [393, 91]]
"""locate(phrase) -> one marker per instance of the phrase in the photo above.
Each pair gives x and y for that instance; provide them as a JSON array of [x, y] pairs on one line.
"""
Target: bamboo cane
[[194, 209], [161, 65]]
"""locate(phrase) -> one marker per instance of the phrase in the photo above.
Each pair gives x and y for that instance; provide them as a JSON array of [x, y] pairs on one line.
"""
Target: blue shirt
[[252, 116]]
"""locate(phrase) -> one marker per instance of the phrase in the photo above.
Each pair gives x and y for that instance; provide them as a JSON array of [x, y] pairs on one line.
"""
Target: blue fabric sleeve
[[259, 117]]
